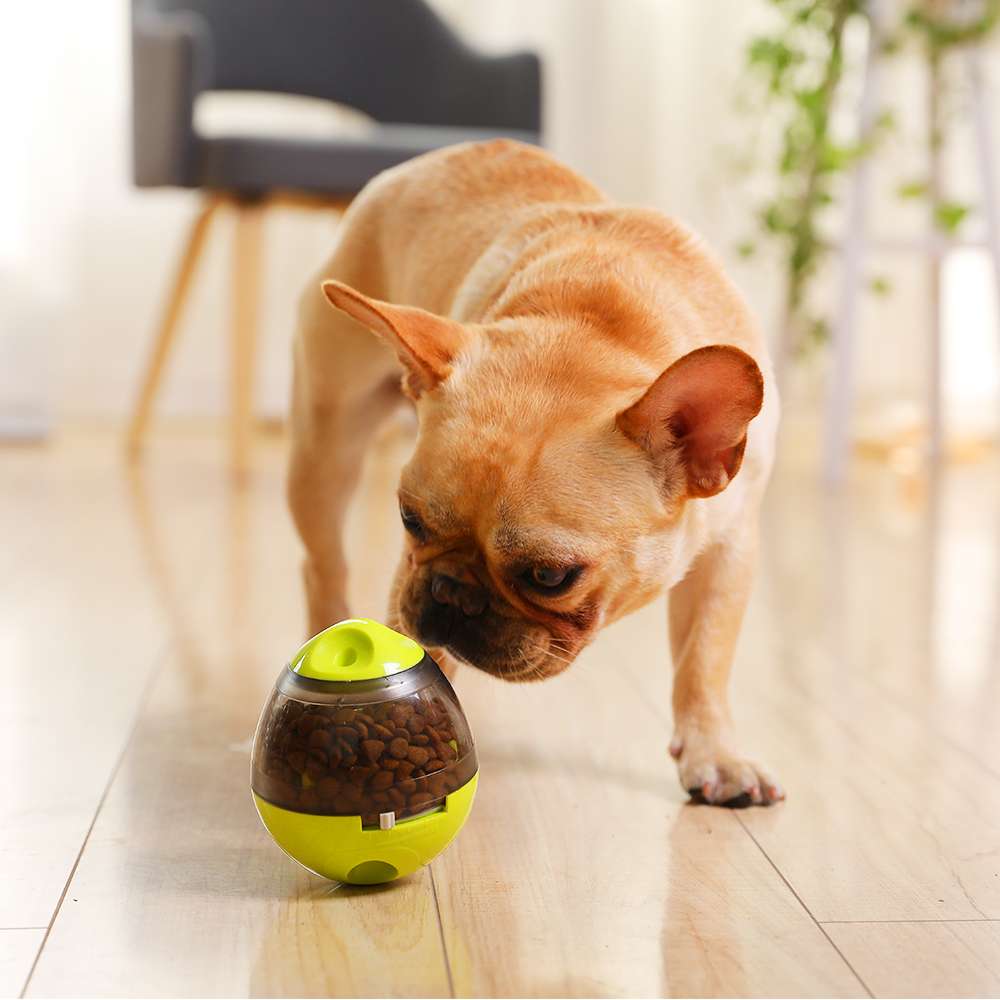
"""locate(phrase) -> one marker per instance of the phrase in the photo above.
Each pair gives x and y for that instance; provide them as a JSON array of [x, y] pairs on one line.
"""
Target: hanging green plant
[[797, 71]]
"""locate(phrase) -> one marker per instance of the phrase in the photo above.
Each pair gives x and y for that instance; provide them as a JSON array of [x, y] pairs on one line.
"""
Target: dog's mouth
[[510, 670], [521, 655]]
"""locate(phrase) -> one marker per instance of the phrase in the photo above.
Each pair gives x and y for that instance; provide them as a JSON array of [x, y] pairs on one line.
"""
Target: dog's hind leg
[[345, 384]]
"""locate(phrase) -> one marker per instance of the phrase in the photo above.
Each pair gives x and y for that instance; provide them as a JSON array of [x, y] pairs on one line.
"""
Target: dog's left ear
[[426, 344], [697, 411]]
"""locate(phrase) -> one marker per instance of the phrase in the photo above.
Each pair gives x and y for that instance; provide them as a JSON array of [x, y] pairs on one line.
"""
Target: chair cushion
[[336, 166]]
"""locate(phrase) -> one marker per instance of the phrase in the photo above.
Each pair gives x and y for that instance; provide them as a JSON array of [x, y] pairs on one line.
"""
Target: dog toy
[[363, 767]]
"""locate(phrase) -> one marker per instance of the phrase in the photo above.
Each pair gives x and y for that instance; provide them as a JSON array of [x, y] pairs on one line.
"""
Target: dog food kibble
[[400, 756]]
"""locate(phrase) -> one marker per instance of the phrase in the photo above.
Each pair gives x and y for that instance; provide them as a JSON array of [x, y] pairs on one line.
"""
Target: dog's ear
[[426, 344], [695, 416]]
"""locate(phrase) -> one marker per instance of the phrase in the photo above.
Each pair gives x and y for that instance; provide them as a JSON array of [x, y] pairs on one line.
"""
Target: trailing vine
[[797, 72]]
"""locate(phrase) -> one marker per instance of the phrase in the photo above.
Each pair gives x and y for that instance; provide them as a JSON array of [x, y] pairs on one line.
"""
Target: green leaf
[[885, 120], [818, 330], [880, 285], [912, 189], [949, 215], [832, 157]]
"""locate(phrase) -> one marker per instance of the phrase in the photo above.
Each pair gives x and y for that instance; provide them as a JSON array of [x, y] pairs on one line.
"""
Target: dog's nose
[[470, 598]]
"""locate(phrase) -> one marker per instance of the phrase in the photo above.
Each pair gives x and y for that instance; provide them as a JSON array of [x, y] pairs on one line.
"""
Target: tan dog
[[585, 378]]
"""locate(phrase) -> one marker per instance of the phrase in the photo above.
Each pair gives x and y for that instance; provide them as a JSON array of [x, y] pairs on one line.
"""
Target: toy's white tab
[[386, 821]]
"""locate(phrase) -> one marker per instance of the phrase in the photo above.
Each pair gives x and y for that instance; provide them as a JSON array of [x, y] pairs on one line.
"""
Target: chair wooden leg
[[166, 335], [243, 331]]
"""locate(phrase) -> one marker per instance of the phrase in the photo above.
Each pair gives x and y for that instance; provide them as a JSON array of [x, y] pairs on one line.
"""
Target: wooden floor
[[144, 617]]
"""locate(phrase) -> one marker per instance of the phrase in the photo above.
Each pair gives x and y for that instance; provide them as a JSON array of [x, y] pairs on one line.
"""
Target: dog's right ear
[[696, 415], [425, 343]]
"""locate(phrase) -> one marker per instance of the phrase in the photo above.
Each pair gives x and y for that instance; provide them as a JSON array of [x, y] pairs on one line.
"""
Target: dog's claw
[[712, 774]]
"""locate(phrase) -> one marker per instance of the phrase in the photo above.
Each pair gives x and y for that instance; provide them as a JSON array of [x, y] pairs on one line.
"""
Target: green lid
[[357, 649]]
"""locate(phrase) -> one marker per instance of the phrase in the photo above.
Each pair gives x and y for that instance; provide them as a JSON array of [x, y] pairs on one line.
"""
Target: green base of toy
[[338, 848]]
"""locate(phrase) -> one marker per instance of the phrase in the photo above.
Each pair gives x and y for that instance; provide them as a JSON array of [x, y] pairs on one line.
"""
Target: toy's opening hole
[[347, 656], [372, 872]]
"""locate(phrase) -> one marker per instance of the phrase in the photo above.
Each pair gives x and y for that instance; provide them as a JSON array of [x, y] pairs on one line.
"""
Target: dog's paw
[[711, 773]]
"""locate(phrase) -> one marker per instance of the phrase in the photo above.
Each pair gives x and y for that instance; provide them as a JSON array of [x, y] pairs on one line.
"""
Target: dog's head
[[548, 491]]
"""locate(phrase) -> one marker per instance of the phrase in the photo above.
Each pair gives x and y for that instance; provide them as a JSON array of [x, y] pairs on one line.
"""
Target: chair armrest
[[171, 64]]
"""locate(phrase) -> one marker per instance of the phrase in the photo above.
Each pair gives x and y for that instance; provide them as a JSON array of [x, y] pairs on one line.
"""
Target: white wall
[[639, 96]]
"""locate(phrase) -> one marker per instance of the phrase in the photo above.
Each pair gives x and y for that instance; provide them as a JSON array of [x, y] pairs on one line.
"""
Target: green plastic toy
[[363, 766]]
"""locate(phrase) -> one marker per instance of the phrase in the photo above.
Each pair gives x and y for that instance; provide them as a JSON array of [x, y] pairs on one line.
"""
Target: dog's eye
[[551, 579], [412, 523]]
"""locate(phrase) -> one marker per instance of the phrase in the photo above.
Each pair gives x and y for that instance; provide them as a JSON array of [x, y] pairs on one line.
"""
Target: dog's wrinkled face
[[522, 540], [544, 499]]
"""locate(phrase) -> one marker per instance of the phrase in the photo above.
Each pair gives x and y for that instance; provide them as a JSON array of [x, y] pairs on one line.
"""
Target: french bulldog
[[596, 416]]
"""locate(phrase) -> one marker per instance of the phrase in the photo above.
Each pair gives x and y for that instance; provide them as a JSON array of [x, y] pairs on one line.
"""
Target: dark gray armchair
[[394, 60]]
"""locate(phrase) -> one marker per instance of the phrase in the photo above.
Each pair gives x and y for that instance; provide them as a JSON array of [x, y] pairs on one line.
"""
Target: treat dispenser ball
[[363, 765]]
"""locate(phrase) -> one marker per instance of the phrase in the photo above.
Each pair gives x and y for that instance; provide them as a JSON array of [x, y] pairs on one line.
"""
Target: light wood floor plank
[[581, 871], [900, 584], [82, 624], [583, 859], [18, 947], [180, 891], [930, 959]]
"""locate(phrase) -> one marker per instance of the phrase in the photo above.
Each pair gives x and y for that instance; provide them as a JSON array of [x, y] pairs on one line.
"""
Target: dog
[[596, 415]]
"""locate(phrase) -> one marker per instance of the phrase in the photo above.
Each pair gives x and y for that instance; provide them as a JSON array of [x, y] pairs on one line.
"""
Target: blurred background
[[661, 102]]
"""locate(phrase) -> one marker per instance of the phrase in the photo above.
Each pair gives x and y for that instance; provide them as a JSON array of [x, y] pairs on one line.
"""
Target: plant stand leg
[[987, 167], [840, 395], [936, 142]]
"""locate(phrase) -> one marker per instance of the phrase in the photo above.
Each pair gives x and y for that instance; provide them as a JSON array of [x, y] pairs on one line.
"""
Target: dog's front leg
[[706, 610]]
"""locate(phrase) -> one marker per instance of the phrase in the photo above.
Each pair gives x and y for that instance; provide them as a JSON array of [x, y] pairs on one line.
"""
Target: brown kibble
[[343, 715], [320, 739], [420, 800], [422, 740], [404, 769], [308, 723], [373, 749], [360, 774], [418, 756], [400, 713], [416, 723], [397, 798], [361, 728], [434, 764], [309, 799], [352, 794], [297, 761], [366, 718], [399, 748], [369, 819], [382, 780], [382, 732], [447, 751], [328, 788], [349, 735], [436, 786], [408, 786]]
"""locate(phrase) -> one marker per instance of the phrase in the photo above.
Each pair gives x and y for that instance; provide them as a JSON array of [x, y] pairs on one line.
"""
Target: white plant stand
[[856, 248]]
